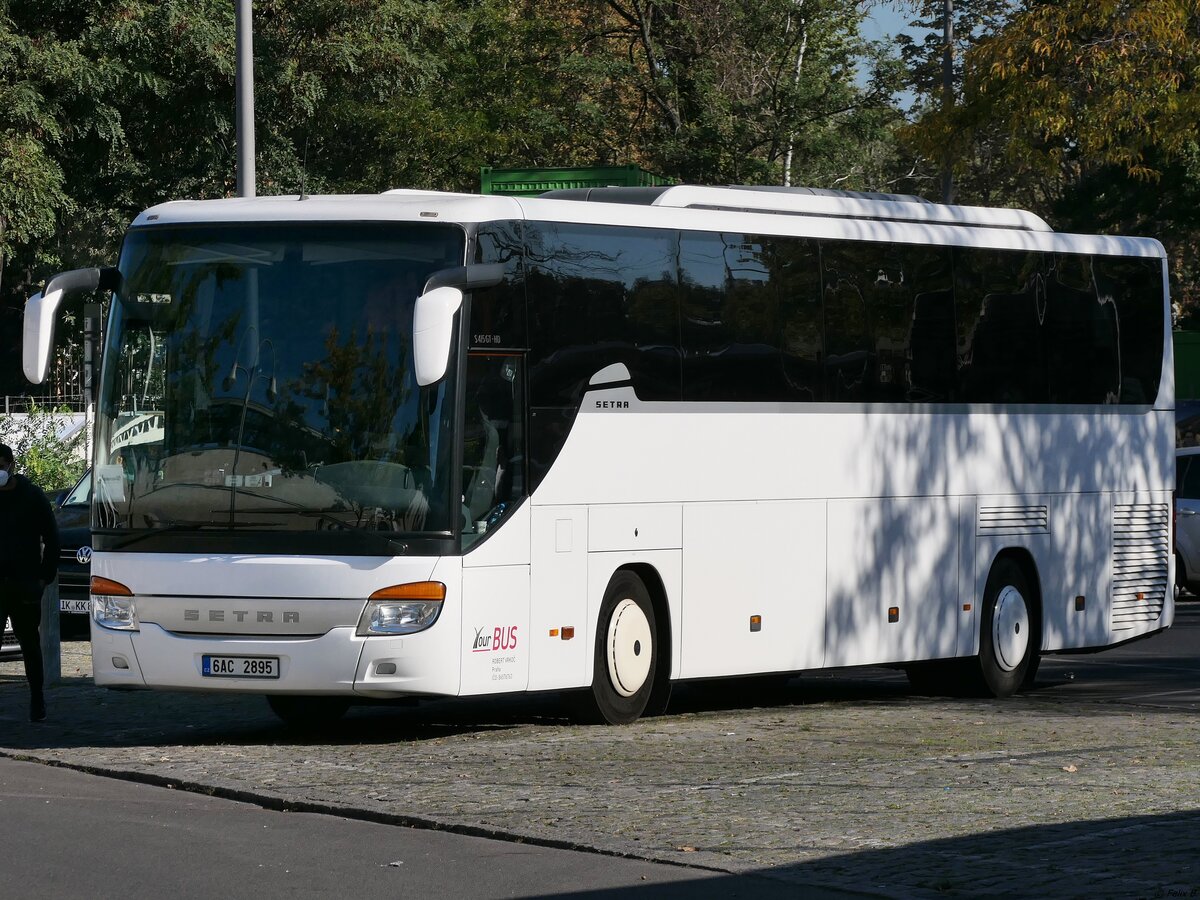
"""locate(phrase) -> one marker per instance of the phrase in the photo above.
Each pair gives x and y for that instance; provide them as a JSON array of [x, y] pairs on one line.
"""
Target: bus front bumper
[[338, 662]]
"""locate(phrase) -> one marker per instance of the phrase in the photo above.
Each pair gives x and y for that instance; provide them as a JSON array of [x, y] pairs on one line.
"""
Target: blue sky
[[884, 21]]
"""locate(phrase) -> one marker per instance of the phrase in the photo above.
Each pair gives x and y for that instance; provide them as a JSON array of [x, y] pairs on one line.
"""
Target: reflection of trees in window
[[849, 351], [360, 391], [601, 295], [1000, 302], [1083, 360], [797, 277], [193, 358], [1134, 287], [730, 319]]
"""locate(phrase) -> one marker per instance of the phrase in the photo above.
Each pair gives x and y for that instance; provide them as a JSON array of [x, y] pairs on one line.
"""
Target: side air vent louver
[[1141, 555], [1014, 519]]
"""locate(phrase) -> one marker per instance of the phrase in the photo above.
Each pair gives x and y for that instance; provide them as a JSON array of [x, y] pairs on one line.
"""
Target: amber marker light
[[109, 588], [568, 632], [416, 590]]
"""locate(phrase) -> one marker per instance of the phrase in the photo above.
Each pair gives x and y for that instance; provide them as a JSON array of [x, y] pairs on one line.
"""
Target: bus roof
[[801, 212]]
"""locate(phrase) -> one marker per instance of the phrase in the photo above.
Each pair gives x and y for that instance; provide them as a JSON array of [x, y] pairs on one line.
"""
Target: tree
[[49, 460], [1085, 111], [726, 90], [1080, 84]]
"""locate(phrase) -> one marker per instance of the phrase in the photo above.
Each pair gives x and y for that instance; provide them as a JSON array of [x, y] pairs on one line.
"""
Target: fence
[[21, 403]]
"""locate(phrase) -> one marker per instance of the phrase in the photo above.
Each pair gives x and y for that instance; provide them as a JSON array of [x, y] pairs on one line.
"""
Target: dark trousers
[[21, 602]]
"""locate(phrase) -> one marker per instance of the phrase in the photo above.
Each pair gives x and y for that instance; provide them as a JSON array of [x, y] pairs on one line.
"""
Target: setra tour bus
[[423, 444]]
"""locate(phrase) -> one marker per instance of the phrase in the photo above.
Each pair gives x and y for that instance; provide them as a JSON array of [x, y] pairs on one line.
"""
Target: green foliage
[[110, 106], [1085, 111], [47, 461]]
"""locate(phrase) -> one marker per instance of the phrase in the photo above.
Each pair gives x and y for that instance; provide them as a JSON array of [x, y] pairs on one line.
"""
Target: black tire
[[307, 713], [626, 660], [1009, 635]]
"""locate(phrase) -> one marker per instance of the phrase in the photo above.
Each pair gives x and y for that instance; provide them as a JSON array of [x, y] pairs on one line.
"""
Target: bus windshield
[[258, 388]]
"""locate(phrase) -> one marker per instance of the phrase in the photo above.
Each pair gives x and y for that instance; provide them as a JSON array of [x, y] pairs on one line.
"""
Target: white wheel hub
[[1010, 628], [629, 648]]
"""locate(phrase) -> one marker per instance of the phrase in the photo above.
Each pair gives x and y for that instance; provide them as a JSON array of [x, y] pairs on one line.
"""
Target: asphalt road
[[1089, 785], [69, 834]]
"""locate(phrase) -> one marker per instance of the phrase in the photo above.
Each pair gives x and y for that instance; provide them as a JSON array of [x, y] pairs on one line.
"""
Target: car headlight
[[402, 609]]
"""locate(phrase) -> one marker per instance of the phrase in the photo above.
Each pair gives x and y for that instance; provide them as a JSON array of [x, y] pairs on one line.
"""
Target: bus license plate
[[239, 666], [75, 606]]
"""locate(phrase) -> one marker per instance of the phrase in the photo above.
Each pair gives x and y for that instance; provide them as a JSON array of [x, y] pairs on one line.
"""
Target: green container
[[530, 182]]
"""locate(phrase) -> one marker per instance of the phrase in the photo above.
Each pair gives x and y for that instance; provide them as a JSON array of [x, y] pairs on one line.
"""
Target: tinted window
[[999, 302], [847, 271], [1083, 361], [802, 327], [498, 314], [1134, 286], [889, 311], [601, 295], [730, 318]]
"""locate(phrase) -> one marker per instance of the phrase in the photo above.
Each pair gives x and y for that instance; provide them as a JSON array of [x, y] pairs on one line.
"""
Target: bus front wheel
[[302, 712], [1008, 633], [626, 656]]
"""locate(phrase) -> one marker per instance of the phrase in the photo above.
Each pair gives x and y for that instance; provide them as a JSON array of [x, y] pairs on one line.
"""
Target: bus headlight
[[115, 612], [402, 608], [113, 605]]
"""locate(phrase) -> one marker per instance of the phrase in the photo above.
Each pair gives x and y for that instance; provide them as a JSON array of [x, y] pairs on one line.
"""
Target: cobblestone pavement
[[848, 781]]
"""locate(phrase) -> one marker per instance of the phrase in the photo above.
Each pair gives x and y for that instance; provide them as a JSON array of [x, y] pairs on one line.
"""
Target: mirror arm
[[467, 278], [106, 279]]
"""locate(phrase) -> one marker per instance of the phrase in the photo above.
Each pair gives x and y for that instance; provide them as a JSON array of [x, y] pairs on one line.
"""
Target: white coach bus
[[428, 445]]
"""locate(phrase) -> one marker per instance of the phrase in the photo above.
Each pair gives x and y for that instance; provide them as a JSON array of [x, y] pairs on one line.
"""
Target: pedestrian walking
[[28, 562]]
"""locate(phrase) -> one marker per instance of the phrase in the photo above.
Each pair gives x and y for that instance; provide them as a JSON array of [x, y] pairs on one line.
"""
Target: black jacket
[[28, 533]]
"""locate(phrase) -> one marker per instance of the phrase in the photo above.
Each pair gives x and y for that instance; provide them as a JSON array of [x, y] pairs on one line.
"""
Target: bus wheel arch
[[1010, 624], [629, 660], [660, 692]]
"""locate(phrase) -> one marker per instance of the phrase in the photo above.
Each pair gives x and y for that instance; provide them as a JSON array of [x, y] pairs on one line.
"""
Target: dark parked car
[[75, 558], [9, 648]]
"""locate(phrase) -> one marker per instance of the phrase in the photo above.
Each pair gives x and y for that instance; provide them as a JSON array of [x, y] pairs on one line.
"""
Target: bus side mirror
[[433, 315], [41, 315], [38, 337], [433, 326]]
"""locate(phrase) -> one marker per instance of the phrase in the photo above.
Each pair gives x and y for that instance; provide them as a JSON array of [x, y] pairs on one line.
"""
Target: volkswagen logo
[[83, 555]]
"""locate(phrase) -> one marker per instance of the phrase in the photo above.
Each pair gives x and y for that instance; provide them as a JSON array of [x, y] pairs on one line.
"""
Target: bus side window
[[849, 347], [493, 440]]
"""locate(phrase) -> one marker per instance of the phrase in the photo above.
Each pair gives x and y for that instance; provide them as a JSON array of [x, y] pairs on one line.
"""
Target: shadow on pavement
[[1136, 857]]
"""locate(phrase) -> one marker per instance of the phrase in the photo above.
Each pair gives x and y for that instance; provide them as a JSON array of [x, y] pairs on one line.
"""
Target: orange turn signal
[[108, 587], [416, 590]]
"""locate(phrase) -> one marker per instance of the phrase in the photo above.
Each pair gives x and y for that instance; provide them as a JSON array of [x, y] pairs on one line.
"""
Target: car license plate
[[74, 606], [239, 666]]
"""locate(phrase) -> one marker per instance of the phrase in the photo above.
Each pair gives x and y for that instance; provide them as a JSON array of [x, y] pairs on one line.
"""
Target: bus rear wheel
[[1008, 632], [301, 712], [626, 658]]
